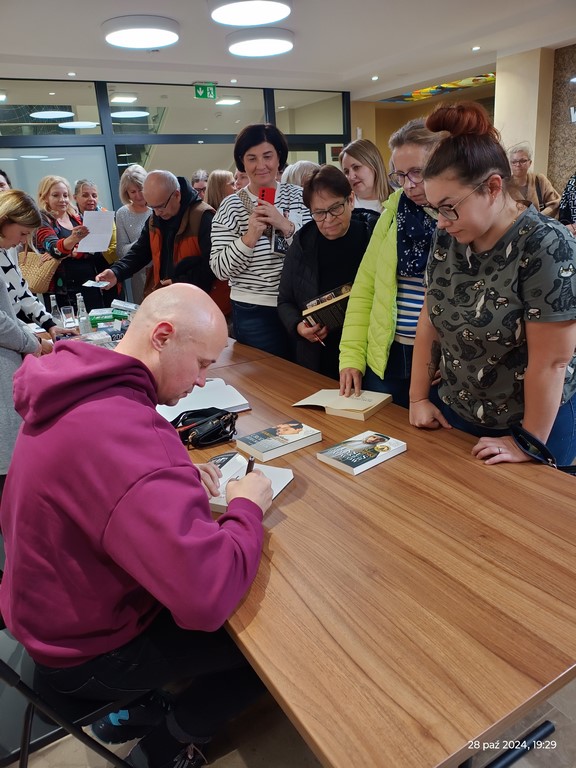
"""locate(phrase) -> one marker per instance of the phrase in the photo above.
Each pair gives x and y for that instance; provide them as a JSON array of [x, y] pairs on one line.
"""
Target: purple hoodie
[[104, 516]]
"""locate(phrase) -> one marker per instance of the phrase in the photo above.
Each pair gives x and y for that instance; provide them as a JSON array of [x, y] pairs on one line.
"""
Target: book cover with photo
[[275, 441], [361, 452]]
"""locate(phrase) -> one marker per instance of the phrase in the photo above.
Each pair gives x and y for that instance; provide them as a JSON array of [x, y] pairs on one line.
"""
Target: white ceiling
[[339, 44]]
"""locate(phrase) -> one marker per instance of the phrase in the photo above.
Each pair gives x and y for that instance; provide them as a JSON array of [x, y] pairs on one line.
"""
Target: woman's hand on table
[[495, 450], [57, 330], [210, 475], [350, 382], [425, 415]]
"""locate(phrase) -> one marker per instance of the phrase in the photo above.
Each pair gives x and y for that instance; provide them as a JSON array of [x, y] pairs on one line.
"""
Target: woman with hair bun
[[499, 319]]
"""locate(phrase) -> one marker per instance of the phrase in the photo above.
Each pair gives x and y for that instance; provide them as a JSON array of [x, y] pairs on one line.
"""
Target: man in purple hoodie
[[117, 578]]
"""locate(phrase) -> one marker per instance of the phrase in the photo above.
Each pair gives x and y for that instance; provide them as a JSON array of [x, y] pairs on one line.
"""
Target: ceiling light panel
[[248, 13], [257, 43], [141, 32]]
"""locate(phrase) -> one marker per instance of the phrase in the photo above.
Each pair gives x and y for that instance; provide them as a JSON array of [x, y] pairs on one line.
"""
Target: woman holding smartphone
[[251, 232]]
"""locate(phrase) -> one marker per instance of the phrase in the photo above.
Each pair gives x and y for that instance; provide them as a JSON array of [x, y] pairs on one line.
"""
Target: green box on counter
[[106, 316]]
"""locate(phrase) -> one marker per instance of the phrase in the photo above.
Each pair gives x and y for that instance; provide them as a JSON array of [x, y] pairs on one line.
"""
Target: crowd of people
[[458, 273]]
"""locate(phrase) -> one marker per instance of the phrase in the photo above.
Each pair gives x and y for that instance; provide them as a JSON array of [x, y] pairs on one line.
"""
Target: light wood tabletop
[[399, 615]]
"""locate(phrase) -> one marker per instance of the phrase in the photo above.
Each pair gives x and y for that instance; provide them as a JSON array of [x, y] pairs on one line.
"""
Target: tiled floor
[[264, 738]]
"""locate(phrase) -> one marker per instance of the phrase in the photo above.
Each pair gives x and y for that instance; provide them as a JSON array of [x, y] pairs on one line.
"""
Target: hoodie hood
[[48, 386]]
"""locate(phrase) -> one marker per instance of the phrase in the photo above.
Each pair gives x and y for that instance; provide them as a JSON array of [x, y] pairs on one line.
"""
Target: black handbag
[[536, 449], [207, 426]]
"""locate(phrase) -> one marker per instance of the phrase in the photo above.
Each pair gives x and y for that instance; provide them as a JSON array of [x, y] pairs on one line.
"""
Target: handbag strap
[[537, 450]]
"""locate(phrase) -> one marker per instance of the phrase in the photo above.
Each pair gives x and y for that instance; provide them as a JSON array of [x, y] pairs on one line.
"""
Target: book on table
[[233, 466], [328, 309], [275, 441], [362, 452], [359, 408]]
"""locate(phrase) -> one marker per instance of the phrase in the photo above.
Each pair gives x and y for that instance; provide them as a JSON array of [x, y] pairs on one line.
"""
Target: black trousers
[[223, 683]]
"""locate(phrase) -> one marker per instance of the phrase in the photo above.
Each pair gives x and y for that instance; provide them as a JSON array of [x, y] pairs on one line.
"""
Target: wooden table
[[401, 614]]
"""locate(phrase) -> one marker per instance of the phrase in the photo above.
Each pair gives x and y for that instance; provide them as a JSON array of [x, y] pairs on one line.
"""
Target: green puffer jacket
[[371, 314]]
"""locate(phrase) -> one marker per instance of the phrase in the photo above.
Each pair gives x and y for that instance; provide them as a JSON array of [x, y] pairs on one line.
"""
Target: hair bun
[[460, 119]]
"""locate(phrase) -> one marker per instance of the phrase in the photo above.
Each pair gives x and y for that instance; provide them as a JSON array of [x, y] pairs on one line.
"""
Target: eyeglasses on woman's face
[[398, 178], [449, 211], [520, 162], [335, 210]]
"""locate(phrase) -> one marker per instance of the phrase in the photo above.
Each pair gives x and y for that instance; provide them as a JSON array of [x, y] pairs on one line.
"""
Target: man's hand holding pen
[[313, 333]]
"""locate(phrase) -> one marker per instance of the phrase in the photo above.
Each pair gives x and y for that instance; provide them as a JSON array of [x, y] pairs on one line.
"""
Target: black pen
[[250, 466]]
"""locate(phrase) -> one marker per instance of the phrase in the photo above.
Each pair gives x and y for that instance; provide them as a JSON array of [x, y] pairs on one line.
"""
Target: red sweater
[[104, 516]]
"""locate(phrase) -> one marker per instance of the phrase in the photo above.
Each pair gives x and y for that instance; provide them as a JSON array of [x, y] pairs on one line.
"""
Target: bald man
[[117, 577], [179, 227]]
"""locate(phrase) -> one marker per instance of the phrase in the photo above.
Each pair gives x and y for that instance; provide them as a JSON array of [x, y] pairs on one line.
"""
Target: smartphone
[[268, 194]]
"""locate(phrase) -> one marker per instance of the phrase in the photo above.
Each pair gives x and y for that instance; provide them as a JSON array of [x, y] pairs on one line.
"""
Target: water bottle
[[55, 310], [83, 319]]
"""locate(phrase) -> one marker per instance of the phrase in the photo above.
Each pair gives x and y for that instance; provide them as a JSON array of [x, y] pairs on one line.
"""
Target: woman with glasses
[[534, 187], [380, 325], [325, 254], [364, 168], [251, 233], [500, 315]]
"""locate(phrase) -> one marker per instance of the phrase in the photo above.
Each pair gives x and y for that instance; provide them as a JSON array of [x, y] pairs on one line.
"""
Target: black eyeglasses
[[157, 208], [519, 162], [449, 211], [335, 210], [399, 179]]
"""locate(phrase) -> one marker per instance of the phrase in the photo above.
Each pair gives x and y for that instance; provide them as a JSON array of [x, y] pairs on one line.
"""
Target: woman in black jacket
[[324, 256]]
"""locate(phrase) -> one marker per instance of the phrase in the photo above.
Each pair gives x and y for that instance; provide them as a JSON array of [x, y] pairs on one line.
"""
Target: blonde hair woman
[[364, 168], [131, 220], [220, 184], [534, 187], [59, 234]]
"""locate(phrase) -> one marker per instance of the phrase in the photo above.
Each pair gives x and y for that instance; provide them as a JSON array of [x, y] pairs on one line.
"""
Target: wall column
[[523, 101]]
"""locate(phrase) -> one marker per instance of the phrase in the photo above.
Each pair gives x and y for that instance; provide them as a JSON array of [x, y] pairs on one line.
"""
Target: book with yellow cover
[[359, 408]]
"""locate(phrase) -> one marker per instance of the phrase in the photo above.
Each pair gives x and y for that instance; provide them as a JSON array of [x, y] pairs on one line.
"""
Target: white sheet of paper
[[95, 284], [100, 225]]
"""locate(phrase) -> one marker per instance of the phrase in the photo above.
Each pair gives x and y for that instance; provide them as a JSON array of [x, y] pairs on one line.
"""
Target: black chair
[[20, 732]]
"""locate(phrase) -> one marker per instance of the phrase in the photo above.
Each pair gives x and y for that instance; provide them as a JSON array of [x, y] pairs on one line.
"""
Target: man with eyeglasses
[[179, 228]]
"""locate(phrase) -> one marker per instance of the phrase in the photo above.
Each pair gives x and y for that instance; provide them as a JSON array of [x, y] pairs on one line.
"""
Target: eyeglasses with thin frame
[[520, 162], [398, 178], [335, 210], [163, 207], [449, 211]]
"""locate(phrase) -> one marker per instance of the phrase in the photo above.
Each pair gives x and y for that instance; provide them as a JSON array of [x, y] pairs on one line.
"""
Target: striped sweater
[[253, 273]]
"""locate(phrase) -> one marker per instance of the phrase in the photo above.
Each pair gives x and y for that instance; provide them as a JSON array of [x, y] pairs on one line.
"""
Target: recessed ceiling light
[[128, 113], [270, 41], [8, 159], [123, 165], [124, 154], [71, 74], [233, 80], [200, 141], [52, 93], [236, 122], [227, 102], [374, 77], [51, 159], [78, 124], [282, 107], [51, 114], [126, 98], [33, 157], [141, 31], [476, 48], [245, 13]]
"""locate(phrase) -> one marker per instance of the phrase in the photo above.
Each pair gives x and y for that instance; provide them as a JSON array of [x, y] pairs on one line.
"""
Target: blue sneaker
[[132, 723]]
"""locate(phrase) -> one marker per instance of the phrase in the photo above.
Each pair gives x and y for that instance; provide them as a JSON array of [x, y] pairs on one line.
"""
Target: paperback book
[[362, 452], [359, 408], [275, 441], [233, 466], [329, 309]]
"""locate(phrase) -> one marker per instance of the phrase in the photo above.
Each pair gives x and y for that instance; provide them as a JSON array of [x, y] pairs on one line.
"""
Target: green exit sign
[[205, 91]]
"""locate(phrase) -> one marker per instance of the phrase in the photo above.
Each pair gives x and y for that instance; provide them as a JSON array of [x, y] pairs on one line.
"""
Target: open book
[[214, 394], [233, 466], [360, 408]]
